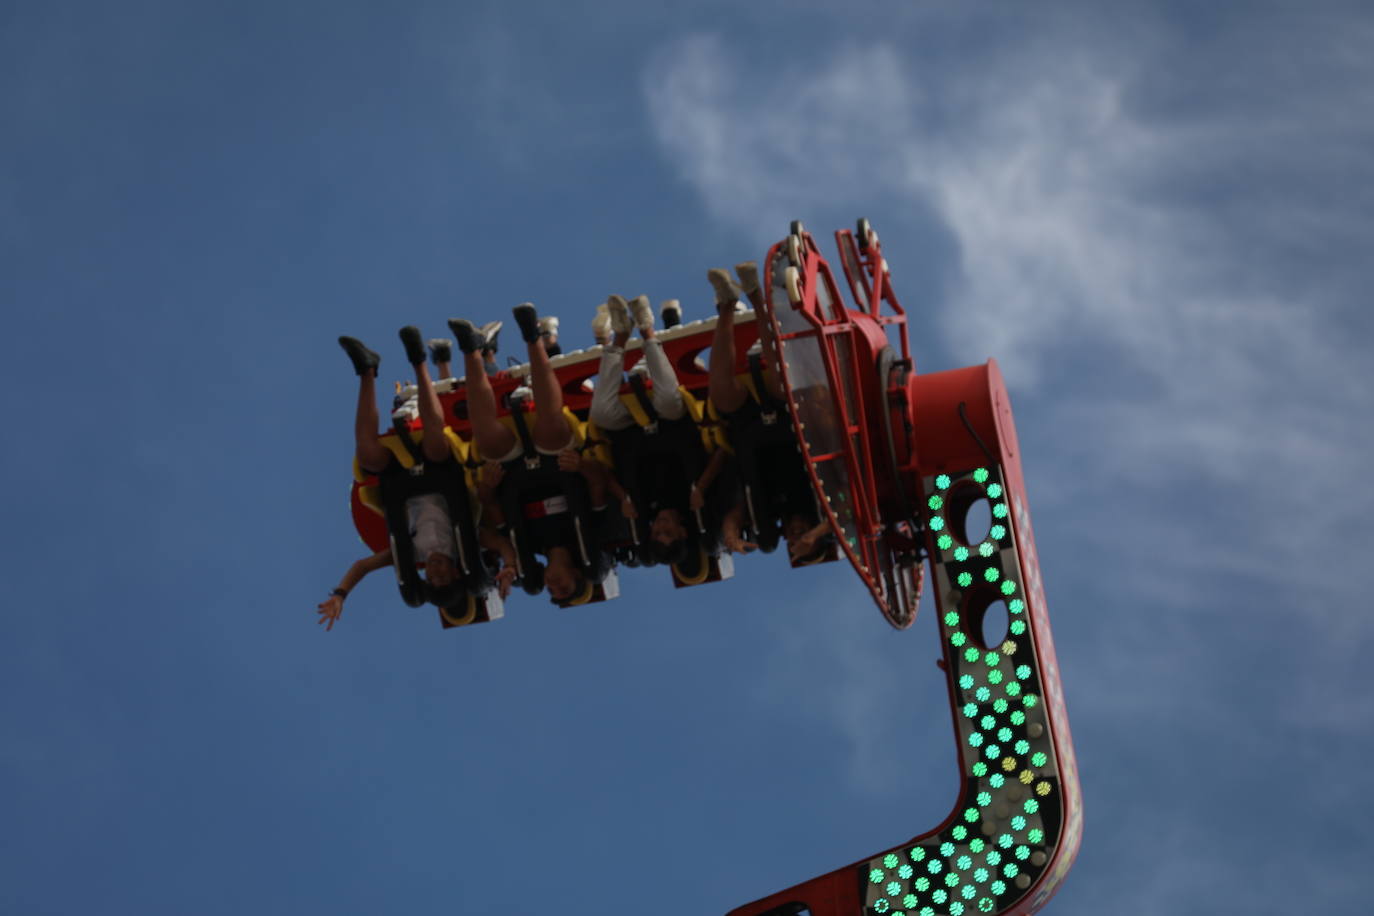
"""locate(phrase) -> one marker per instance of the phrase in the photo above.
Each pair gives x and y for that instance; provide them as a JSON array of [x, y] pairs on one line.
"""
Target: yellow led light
[[1042, 788], [1027, 776], [1008, 763], [1009, 647]]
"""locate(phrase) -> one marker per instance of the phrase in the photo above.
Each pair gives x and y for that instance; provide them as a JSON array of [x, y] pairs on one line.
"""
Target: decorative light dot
[[1031, 806], [1016, 605], [996, 780], [1008, 647], [1023, 671], [971, 654], [917, 854], [942, 481], [880, 906], [980, 475], [987, 722], [1010, 869], [922, 884], [984, 799], [910, 900], [991, 659], [991, 574], [1030, 700], [976, 845], [994, 677], [985, 549], [994, 490], [1018, 823], [1013, 688], [982, 694], [904, 871], [1004, 841], [937, 523], [970, 815], [1004, 734], [999, 705], [997, 532], [1039, 758], [1018, 627], [957, 640], [980, 769], [980, 875], [1022, 852], [1036, 836], [985, 903], [893, 888], [998, 888], [960, 554], [992, 751], [952, 618], [964, 579], [1026, 777], [1009, 763], [946, 849], [967, 892], [1021, 746], [890, 860], [944, 542], [994, 857], [964, 863], [951, 879], [935, 503], [876, 876], [1008, 586], [999, 510], [934, 866], [956, 908], [1042, 789], [975, 739], [959, 832]]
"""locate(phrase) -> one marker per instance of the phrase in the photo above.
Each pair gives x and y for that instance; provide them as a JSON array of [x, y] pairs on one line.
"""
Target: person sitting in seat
[[431, 530], [663, 474], [552, 500], [776, 493]]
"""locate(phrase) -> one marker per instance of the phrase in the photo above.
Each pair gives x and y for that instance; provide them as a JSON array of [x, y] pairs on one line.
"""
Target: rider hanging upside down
[[663, 474], [775, 496], [431, 530], [552, 500]]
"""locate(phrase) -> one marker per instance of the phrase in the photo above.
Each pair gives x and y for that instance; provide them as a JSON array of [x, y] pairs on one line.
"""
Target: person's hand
[[330, 609], [627, 508], [493, 474], [569, 460], [803, 545], [504, 580], [734, 540], [696, 499]]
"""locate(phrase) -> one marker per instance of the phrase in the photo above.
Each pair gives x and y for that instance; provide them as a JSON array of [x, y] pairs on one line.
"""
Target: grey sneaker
[[748, 273], [528, 320], [726, 293], [440, 350], [671, 310], [488, 332], [620, 315], [643, 313], [601, 325], [468, 337]]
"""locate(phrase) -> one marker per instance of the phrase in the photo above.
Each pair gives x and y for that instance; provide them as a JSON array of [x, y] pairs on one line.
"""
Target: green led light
[[1030, 700], [980, 769], [937, 524], [994, 677], [957, 640], [942, 481], [994, 490], [956, 908], [992, 752], [975, 739], [959, 832], [1039, 758], [985, 904], [994, 857], [966, 681], [935, 503], [982, 694], [944, 541], [985, 549], [876, 876], [976, 845], [1016, 605], [996, 780], [951, 879], [926, 911], [890, 860], [971, 654], [1004, 841], [1036, 836], [939, 896], [999, 705], [960, 554], [980, 475], [1004, 734], [1023, 671], [1013, 688], [998, 888], [910, 900], [1018, 627], [1021, 746], [991, 574], [964, 579], [947, 849], [893, 888], [987, 722], [880, 906], [904, 872], [1018, 823], [999, 510], [984, 799], [1010, 869], [1031, 806], [952, 619], [1008, 586], [917, 853], [934, 866], [921, 884], [963, 863], [992, 659], [981, 875], [967, 892], [1022, 852], [997, 532]]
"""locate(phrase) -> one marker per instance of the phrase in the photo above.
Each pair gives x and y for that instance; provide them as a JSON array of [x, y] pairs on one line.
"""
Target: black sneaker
[[363, 358], [414, 343], [671, 310], [468, 337], [528, 320], [441, 350]]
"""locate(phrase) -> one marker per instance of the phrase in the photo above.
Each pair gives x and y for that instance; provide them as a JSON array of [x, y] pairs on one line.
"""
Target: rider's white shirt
[[430, 528]]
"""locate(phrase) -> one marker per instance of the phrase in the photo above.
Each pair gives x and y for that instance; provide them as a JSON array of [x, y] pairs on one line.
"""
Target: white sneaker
[[620, 315], [601, 325], [643, 313], [671, 310], [549, 326], [748, 273], [726, 293]]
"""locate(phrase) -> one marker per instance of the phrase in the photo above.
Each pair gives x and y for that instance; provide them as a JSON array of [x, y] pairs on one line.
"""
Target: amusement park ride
[[897, 460]]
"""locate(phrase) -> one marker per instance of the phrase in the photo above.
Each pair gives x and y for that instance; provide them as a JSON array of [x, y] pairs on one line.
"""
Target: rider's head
[[668, 536], [439, 570], [562, 577], [793, 528]]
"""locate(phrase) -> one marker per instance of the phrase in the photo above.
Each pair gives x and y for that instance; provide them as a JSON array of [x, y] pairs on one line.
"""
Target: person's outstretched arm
[[332, 607]]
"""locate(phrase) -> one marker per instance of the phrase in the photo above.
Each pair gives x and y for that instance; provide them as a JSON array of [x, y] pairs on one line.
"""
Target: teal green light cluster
[[961, 870]]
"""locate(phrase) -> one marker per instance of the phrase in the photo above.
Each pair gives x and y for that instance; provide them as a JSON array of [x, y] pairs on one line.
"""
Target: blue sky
[[1156, 217]]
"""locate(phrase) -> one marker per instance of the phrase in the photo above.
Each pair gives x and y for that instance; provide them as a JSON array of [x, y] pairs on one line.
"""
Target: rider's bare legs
[[434, 443], [748, 273], [493, 439], [372, 455], [726, 391], [550, 431]]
